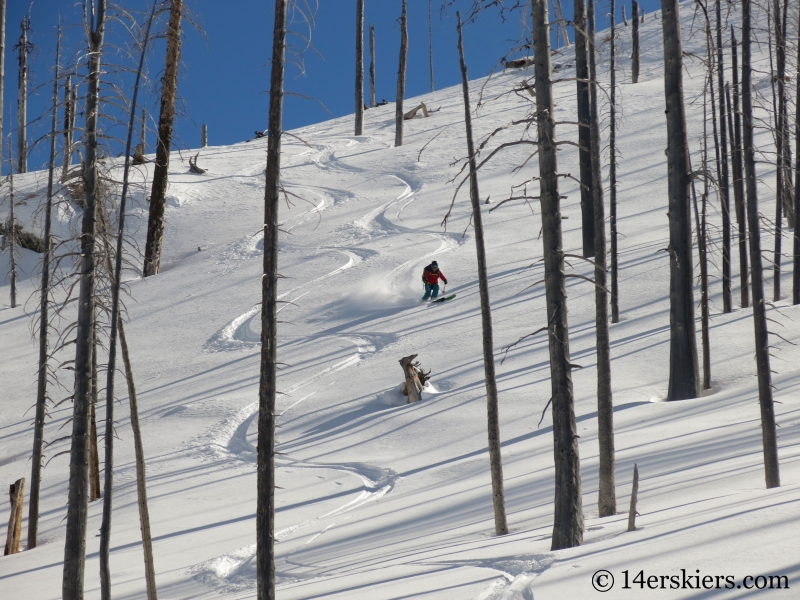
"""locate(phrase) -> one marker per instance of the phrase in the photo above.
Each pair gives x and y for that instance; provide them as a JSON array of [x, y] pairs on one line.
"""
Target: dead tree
[[158, 192], [193, 168], [738, 175], [634, 496], [359, 67], [562, 22], [702, 251], [25, 48], [607, 498], [796, 244], [204, 136], [568, 520], [143, 134], [401, 77], [372, 66], [612, 168], [267, 391], [769, 435], [44, 307], [492, 404], [11, 229], [77, 507], [723, 173], [584, 135], [2, 69], [624, 18], [683, 372], [413, 373], [67, 133], [16, 494], [430, 41], [635, 42]]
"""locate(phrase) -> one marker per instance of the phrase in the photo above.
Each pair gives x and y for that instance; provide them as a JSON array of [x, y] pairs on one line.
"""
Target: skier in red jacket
[[430, 277]]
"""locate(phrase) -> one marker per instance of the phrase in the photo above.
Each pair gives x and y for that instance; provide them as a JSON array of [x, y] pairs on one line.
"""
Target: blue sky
[[225, 73]]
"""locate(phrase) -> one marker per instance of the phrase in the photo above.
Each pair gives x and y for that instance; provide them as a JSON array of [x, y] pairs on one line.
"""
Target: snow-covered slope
[[379, 499]]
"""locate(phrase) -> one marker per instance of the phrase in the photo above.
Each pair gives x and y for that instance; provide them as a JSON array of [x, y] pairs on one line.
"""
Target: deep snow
[[380, 499]]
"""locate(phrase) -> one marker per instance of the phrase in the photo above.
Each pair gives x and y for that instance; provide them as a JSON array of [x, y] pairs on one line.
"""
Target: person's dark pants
[[431, 291]]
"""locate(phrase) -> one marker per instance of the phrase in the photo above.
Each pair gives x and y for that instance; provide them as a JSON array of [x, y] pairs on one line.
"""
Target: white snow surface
[[377, 498]]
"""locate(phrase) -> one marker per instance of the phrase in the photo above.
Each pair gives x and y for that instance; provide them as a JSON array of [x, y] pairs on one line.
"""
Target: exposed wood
[[78, 500], [738, 176], [16, 493], [683, 371], [635, 42], [413, 386], [634, 493], [401, 77], [267, 390], [568, 518], [519, 63], [584, 134], [768, 432], [158, 192], [359, 126], [413, 112], [492, 402]]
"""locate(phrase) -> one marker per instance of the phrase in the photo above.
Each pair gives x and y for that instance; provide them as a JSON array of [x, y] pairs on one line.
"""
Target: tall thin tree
[[116, 320], [683, 371], [584, 134], [568, 518], [44, 307], [607, 497], [24, 47], [78, 500], [612, 167], [768, 433], [158, 192], [401, 77], [724, 175], [492, 404], [265, 515], [11, 229], [796, 245], [359, 67], [738, 177], [635, 42], [67, 133], [371, 65]]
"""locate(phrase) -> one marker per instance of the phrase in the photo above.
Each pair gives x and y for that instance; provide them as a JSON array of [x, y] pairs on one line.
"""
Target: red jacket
[[431, 277]]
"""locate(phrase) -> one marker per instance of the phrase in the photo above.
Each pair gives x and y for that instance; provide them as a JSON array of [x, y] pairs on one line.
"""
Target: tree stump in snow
[[634, 493], [415, 378], [17, 496]]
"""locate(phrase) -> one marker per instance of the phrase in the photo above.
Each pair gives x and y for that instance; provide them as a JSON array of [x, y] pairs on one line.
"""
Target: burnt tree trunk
[[265, 517], [612, 169], [769, 435], [722, 162], [22, 101], [492, 403], [359, 67], [401, 77], [67, 152], [607, 498], [568, 519], [11, 230], [702, 251], [635, 42], [683, 372], [372, 66], [584, 134], [796, 244], [77, 507], [779, 147], [158, 192], [738, 177], [44, 308]]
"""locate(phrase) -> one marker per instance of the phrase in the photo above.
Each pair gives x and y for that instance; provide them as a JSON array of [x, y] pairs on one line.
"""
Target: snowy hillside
[[380, 499]]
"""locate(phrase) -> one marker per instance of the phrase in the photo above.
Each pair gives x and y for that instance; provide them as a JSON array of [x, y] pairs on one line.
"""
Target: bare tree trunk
[[77, 507], [635, 42], [738, 177], [12, 229], [430, 41], [584, 133], [612, 168], [265, 517], [401, 77], [372, 66], [568, 520], [779, 147], [562, 23], [607, 498], [22, 102], [44, 307], [359, 67], [492, 405], [143, 134], [702, 251], [203, 136], [722, 162], [683, 375], [94, 458], [158, 193], [67, 154], [14, 534], [796, 245], [2, 69], [769, 436]]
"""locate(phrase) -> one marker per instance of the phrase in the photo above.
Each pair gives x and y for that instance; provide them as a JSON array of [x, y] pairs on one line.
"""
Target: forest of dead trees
[[80, 318]]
